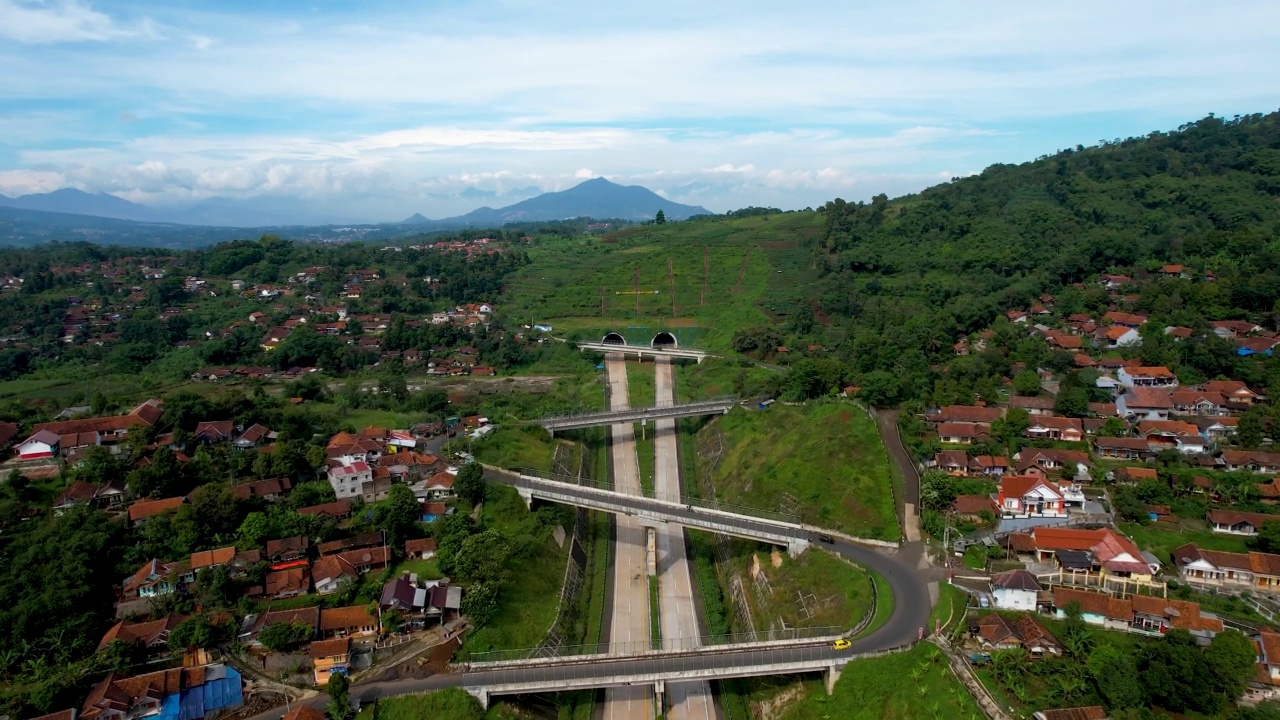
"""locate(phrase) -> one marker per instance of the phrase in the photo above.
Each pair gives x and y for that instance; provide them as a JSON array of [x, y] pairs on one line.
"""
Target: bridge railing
[[600, 414], [676, 498], [667, 645]]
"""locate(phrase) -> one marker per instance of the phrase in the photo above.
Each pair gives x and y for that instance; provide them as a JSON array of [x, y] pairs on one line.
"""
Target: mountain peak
[[415, 219], [597, 198]]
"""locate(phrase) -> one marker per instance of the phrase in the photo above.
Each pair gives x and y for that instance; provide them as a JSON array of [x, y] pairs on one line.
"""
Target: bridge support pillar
[[651, 550], [830, 677], [659, 688], [795, 546], [480, 694], [527, 496]]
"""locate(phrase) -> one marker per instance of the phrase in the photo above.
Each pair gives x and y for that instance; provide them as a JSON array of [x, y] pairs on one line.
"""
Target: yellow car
[[840, 644]]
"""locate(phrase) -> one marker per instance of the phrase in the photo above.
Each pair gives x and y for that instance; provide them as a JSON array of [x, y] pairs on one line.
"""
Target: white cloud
[[55, 21], [417, 103]]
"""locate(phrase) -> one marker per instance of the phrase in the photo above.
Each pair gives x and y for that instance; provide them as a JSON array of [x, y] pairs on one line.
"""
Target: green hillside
[[885, 288], [754, 267]]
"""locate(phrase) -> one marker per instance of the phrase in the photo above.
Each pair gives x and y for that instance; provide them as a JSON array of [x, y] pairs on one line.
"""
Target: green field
[[516, 448], [902, 686], [1162, 538], [823, 461], [640, 380]]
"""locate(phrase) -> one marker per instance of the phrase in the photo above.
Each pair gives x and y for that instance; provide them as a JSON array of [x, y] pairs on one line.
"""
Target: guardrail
[[668, 646], [603, 416], [688, 501]]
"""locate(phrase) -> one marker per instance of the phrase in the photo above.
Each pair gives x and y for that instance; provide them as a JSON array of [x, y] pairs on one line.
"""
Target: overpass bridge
[[718, 406], [657, 667], [643, 351], [775, 528]]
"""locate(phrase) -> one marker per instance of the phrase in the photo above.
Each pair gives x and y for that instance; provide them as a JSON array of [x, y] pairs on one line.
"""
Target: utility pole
[[601, 301]]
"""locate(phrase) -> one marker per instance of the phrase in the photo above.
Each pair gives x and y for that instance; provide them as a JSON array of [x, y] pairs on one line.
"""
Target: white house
[[347, 480], [1159, 377], [1029, 496], [43, 444], [1015, 590], [1144, 403]]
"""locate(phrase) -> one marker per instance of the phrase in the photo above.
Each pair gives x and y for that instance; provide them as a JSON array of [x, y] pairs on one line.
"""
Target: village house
[[1015, 590], [348, 481], [269, 489], [1144, 403], [963, 433], [150, 634], [142, 510], [421, 549], [200, 692], [348, 622], [997, 633], [1263, 463], [1199, 402], [1236, 522], [328, 657], [1121, 448], [1234, 390], [1029, 496], [1048, 427], [1171, 435], [330, 571], [110, 431], [1108, 555], [1037, 407], [336, 510], [964, 413], [1140, 376], [1254, 570], [1137, 613], [153, 579]]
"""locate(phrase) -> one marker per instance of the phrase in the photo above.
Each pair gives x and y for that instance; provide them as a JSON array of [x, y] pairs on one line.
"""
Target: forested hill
[[914, 273]]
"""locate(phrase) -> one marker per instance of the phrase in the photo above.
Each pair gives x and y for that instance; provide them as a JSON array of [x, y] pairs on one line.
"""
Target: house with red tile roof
[[141, 510], [1263, 463], [201, 692], [1029, 496], [1048, 427], [1147, 376], [1254, 570], [963, 433], [1123, 448], [1237, 522], [1144, 403]]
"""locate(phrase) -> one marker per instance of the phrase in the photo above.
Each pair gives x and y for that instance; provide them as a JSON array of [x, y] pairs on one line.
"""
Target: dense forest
[[905, 278]]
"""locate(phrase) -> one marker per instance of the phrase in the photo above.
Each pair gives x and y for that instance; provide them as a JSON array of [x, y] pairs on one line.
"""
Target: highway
[[678, 605], [629, 582]]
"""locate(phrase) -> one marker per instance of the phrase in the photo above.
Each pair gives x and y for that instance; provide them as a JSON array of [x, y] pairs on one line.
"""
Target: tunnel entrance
[[613, 338], [664, 340]]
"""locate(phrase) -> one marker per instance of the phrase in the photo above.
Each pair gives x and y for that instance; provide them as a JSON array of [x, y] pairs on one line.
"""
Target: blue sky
[[388, 108]]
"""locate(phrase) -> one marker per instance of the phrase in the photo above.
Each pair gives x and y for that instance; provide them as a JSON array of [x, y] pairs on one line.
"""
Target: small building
[[329, 657], [1015, 590]]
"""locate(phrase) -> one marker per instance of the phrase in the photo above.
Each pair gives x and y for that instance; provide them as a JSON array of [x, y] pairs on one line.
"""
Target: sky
[[384, 109]]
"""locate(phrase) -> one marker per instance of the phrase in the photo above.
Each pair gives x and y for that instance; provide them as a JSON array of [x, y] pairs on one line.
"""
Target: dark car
[[827, 539]]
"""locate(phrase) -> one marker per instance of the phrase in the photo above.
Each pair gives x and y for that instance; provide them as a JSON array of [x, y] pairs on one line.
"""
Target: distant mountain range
[[75, 215], [596, 198], [215, 211]]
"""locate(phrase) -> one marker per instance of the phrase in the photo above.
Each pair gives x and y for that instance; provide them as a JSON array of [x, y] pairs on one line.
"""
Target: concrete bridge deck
[[718, 406], [643, 351], [778, 529]]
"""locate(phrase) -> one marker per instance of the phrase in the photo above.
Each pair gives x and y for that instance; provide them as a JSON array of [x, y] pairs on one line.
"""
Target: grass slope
[[587, 285], [516, 448], [816, 589], [826, 461]]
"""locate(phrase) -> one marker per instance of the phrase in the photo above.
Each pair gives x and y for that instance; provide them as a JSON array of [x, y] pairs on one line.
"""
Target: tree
[[660, 218], [1250, 431], [1010, 427], [1268, 538], [1027, 382], [483, 558], [480, 602], [1231, 658], [1113, 427], [469, 484], [284, 636], [194, 632], [398, 515], [255, 528], [339, 707], [1072, 402], [1115, 673]]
